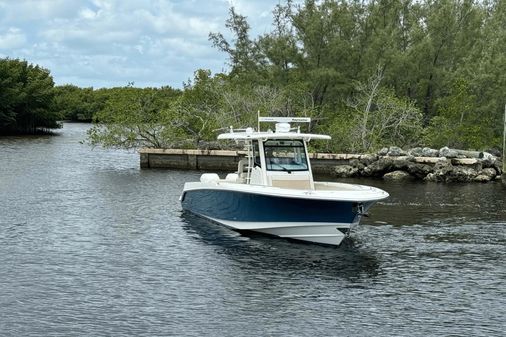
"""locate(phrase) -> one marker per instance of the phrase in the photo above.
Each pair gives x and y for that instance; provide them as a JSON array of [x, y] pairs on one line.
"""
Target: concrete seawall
[[227, 160], [394, 167]]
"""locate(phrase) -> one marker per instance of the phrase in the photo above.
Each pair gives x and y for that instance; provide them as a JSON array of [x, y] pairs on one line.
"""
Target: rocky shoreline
[[443, 165]]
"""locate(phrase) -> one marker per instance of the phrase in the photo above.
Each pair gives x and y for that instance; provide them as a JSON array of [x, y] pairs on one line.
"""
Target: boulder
[[487, 159], [482, 178], [461, 174], [428, 152], [497, 165], [419, 170], [487, 156], [397, 175], [357, 164], [401, 163], [448, 153], [431, 177], [395, 151], [367, 159], [489, 172], [468, 154], [473, 163], [383, 151], [494, 152], [416, 152], [345, 171], [440, 171], [379, 167]]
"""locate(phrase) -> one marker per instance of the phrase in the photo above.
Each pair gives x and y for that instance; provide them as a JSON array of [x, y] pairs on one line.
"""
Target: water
[[92, 246]]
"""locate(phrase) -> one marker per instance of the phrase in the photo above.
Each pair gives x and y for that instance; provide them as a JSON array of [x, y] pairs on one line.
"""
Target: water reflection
[[348, 261]]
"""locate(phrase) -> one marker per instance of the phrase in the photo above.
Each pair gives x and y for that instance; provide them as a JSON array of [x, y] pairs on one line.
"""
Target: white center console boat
[[273, 191]]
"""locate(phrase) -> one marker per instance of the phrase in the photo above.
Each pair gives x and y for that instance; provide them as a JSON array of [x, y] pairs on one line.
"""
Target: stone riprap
[[443, 165]]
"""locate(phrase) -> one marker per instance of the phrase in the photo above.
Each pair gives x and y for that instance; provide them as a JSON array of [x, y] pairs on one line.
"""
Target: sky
[[108, 43]]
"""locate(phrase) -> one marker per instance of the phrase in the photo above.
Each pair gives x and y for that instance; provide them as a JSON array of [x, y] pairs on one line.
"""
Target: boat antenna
[[258, 120]]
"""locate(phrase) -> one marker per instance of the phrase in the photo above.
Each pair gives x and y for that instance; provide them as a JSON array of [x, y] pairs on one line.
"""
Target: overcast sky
[[106, 43]]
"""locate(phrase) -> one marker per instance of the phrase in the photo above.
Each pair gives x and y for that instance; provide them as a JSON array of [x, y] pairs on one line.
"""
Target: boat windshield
[[285, 155]]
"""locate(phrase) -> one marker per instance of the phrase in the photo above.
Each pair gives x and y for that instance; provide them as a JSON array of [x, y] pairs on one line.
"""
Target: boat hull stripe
[[241, 206]]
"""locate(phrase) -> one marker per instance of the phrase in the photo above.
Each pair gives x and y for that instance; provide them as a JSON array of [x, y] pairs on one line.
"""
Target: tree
[[437, 65], [134, 117], [377, 118], [243, 52], [78, 104], [26, 97]]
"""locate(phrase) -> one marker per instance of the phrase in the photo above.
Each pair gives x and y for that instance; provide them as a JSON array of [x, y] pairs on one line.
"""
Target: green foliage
[[78, 104], [377, 117], [133, 117], [26, 97], [425, 50]]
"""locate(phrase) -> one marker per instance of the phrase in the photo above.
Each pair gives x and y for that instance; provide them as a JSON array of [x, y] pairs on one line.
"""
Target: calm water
[[92, 246]]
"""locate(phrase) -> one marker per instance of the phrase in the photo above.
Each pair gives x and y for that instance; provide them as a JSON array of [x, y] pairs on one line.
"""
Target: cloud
[[112, 42], [12, 38]]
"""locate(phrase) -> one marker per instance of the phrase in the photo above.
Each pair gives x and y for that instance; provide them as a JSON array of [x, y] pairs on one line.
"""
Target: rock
[[383, 151], [428, 152], [448, 153], [473, 163], [401, 163], [487, 156], [345, 171], [497, 165], [489, 172], [395, 151], [367, 159], [379, 167], [469, 154], [431, 177], [482, 178], [397, 175], [416, 152], [461, 174], [487, 159], [494, 152], [429, 160], [464, 161], [440, 171], [357, 164], [419, 170]]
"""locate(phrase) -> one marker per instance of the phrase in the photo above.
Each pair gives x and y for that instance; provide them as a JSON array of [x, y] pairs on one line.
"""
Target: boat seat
[[208, 178], [233, 177], [300, 184]]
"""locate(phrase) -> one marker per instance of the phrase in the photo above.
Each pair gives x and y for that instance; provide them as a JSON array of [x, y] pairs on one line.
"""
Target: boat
[[273, 191]]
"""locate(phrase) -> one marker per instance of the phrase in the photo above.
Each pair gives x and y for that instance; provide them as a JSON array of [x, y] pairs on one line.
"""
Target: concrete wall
[[220, 160], [225, 160]]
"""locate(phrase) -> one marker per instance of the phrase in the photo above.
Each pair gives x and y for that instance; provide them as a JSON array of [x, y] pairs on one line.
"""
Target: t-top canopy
[[271, 135], [285, 119]]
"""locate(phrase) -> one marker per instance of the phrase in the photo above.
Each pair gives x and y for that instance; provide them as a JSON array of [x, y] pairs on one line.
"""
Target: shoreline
[[389, 163]]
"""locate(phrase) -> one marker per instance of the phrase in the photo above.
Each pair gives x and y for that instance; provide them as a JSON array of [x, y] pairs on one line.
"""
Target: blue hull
[[249, 207]]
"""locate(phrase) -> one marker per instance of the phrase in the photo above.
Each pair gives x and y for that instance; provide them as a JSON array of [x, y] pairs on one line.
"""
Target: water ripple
[[91, 245]]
